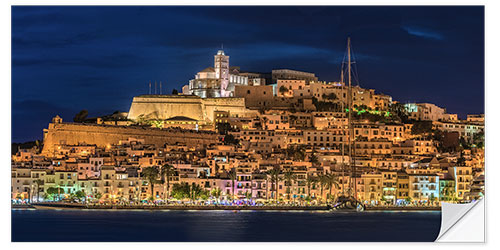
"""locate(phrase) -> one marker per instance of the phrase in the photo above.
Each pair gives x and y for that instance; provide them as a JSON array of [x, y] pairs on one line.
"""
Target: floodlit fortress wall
[[235, 106], [103, 135], [167, 106]]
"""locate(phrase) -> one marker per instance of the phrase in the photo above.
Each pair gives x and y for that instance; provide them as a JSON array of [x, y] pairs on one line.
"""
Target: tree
[[81, 116], [461, 159], [38, 183], [151, 174], [310, 181], [432, 199], [53, 191], [216, 192], [98, 196], [289, 177], [325, 106], [183, 190], [330, 96], [298, 152], [313, 159], [274, 175], [408, 199], [448, 193], [196, 191], [399, 110], [223, 128], [323, 182], [478, 139], [232, 176], [157, 123], [175, 92], [283, 90], [383, 199], [80, 195], [230, 140], [464, 143], [167, 171], [140, 120], [421, 127], [332, 181]]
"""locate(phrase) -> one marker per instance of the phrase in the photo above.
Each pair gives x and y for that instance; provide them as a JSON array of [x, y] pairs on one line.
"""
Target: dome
[[220, 52]]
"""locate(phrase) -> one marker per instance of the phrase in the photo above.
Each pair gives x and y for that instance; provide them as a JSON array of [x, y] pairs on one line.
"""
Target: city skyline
[[61, 69]]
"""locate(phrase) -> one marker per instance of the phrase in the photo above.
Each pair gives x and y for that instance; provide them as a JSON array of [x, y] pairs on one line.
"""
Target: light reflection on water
[[223, 225]]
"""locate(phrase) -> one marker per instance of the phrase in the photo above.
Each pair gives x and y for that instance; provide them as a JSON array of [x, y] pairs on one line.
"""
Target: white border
[[492, 121]]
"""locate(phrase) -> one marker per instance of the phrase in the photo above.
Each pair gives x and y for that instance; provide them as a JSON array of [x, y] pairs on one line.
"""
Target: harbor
[[56, 205]]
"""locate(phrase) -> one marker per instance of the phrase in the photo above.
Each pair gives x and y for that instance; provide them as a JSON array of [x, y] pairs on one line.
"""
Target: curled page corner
[[462, 222]]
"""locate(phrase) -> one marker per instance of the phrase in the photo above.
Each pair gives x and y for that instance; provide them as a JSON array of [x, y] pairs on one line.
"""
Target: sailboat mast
[[343, 143], [351, 130], [343, 127]]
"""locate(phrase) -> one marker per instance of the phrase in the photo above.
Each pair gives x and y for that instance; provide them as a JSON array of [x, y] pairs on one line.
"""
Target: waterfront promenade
[[60, 205]]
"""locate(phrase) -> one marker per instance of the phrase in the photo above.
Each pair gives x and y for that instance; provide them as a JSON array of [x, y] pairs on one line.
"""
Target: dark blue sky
[[65, 59]]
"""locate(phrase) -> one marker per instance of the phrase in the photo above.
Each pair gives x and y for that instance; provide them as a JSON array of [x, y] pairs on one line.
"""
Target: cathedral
[[216, 81]]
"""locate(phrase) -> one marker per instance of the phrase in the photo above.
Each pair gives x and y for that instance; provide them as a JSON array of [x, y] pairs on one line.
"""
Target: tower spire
[[150, 87]]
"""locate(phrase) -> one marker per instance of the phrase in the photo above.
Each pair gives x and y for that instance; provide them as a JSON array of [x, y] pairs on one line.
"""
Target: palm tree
[[195, 191], [289, 176], [323, 182], [313, 159], [38, 184], [98, 196], [333, 181], [216, 192], [310, 180], [299, 153], [151, 174], [274, 174], [167, 170], [232, 175]]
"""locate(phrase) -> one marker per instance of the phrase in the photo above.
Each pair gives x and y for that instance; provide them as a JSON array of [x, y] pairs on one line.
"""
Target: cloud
[[425, 33], [99, 57], [101, 62]]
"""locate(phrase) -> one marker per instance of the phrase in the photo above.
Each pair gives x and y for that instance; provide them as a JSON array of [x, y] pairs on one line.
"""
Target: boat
[[348, 202]]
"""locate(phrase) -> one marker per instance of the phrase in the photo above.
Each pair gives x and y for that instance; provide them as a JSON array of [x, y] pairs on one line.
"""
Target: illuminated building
[[425, 111], [217, 81]]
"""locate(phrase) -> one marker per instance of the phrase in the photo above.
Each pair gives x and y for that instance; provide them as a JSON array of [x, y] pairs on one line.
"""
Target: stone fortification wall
[[233, 105], [104, 135], [167, 106]]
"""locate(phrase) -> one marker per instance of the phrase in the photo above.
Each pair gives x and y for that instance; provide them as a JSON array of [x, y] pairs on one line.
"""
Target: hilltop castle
[[217, 81], [222, 79]]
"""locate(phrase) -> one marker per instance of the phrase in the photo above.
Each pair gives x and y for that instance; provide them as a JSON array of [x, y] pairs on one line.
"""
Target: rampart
[[168, 106], [104, 135]]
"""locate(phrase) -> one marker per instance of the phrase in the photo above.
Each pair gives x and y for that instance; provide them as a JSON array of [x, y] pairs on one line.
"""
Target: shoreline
[[206, 208]]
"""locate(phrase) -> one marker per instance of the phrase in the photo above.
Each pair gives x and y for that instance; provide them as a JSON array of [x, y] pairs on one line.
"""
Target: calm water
[[181, 226]]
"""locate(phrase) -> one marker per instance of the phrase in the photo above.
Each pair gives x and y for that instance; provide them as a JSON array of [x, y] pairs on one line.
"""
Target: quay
[[407, 208], [57, 205]]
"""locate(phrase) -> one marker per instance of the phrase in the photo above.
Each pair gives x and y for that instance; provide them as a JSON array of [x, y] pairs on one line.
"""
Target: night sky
[[65, 59]]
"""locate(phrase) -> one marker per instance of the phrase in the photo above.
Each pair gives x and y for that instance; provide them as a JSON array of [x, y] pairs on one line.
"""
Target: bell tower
[[221, 66]]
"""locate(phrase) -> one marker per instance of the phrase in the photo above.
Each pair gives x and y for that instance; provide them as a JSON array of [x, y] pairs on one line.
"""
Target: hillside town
[[237, 137]]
